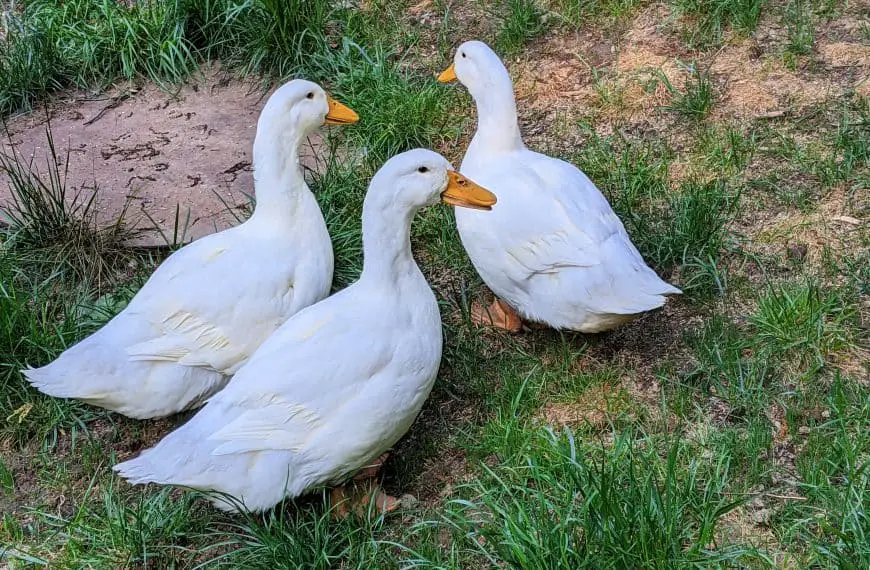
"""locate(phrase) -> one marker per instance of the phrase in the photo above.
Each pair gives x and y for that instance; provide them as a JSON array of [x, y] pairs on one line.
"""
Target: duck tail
[[669, 290], [177, 459], [148, 467], [52, 382], [137, 471]]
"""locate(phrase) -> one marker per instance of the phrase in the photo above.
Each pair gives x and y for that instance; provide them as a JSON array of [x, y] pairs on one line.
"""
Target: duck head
[[478, 68], [421, 177], [303, 107]]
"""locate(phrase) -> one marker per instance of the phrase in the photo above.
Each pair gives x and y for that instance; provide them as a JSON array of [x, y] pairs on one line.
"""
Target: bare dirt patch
[[842, 54], [832, 228], [594, 408], [759, 84], [158, 150]]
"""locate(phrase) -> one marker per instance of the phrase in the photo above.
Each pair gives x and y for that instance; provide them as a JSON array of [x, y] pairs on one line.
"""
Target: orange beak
[[447, 75], [339, 114], [463, 192]]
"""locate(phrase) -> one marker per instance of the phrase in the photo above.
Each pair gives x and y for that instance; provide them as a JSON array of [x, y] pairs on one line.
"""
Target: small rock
[[408, 500], [762, 516], [492, 460], [848, 220], [797, 252], [756, 503], [804, 430], [755, 50]]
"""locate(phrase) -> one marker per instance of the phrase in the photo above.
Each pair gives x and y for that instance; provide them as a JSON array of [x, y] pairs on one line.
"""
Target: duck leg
[[370, 470], [350, 497], [499, 315]]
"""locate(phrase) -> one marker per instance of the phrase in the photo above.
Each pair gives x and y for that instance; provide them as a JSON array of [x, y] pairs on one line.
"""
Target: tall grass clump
[[570, 504], [804, 323], [51, 45], [55, 229], [692, 234], [269, 37], [29, 66], [799, 21], [35, 326], [302, 536], [706, 21], [523, 20], [112, 530], [698, 96]]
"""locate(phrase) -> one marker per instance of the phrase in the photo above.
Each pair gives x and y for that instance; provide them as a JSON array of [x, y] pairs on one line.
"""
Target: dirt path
[[190, 148]]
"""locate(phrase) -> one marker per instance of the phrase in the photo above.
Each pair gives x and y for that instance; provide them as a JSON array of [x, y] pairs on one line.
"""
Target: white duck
[[340, 382], [207, 308], [552, 250]]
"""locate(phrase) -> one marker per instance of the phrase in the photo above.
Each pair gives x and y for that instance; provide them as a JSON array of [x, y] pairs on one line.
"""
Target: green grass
[[112, 531], [307, 538], [728, 149], [36, 323], [727, 431], [707, 21], [696, 99], [570, 504], [84, 43], [726, 367], [522, 21], [402, 110], [798, 19], [804, 323], [52, 45], [821, 152], [832, 520], [271, 37], [581, 12], [56, 227]]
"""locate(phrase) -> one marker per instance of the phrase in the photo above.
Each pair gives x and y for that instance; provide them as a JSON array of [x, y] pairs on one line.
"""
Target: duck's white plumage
[[552, 249], [337, 385], [208, 307]]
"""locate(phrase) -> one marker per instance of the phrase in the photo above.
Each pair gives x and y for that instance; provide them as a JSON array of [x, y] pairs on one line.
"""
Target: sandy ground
[[156, 149]]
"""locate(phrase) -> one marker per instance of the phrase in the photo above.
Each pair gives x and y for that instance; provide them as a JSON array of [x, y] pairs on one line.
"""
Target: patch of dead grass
[[557, 75], [829, 229], [842, 54], [758, 85], [854, 363], [596, 408]]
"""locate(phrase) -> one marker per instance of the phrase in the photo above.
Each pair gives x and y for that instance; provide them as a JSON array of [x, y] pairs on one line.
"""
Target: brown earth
[[159, 150]]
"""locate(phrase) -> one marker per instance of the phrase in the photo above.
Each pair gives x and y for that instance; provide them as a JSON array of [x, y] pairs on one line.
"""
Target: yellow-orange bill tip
[[464, 193], [340, 114], [448, 75]]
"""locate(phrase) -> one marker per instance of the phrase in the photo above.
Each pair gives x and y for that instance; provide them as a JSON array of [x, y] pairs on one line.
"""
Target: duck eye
[[310, 95], [463, 54], [422, 169]]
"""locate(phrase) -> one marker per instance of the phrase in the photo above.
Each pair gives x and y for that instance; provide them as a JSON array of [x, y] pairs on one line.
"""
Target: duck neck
[[279, 184], [497, 127], [387, 256]]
